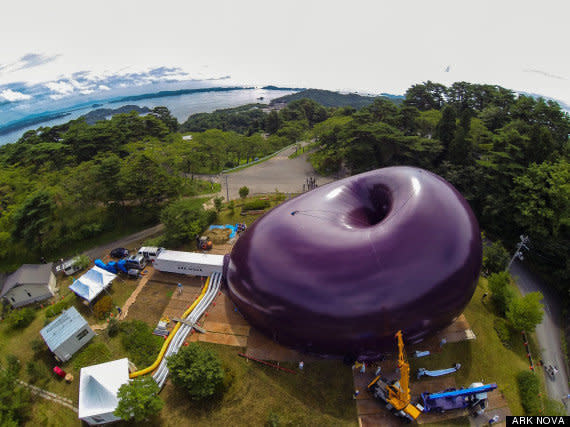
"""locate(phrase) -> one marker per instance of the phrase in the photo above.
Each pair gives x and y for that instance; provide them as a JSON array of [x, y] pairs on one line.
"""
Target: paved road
[[101, 251], [279, 172], [548, 332]]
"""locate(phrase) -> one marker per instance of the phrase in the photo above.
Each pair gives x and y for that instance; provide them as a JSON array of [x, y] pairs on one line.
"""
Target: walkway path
[[135, 294]]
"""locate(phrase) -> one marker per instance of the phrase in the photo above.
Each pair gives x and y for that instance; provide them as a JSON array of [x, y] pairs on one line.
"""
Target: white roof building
[[92, 283], [98, 388]]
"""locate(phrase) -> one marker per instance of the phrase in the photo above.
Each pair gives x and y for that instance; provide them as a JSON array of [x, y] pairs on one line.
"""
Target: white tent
[[92, 283], [98, 388]]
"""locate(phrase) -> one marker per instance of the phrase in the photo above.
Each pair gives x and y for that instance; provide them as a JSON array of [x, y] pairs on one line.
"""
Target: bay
[[181, 106]]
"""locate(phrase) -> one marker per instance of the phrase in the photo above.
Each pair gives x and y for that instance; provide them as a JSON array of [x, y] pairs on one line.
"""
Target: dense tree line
[[507, 154], [62, 185], [66, 184]]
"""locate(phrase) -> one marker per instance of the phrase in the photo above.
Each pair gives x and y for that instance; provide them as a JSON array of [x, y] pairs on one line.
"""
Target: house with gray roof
[[29, 284], [67, 334]]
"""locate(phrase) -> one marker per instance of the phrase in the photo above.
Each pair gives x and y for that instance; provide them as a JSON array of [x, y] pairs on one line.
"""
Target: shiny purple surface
[[338, 270]]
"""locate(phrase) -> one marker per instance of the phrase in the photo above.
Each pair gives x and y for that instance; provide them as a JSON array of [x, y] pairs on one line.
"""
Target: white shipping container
[[191, 263]]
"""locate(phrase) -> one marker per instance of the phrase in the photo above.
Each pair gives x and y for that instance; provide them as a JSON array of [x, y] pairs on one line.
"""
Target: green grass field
[[320, 395]]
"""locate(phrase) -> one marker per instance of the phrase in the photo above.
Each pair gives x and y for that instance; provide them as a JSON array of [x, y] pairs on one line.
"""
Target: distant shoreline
[[52, 115]]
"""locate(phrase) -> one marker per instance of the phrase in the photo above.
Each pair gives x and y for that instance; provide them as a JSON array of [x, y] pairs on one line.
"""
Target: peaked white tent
[[92, 283], [98, 388]]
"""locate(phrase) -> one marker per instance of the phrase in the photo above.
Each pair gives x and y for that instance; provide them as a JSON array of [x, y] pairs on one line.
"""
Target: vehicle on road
[[136, 261], [551, 371], [119, 253], [150, 252]]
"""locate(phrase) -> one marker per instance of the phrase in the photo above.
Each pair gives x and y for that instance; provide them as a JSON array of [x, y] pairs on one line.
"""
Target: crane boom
[[404, 366], [397, 394]]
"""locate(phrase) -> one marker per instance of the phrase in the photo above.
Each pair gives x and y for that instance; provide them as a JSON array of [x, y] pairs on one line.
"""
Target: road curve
[[548, 332]]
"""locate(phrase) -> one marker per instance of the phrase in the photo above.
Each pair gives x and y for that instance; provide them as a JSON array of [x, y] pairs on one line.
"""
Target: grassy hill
[[328, 98]]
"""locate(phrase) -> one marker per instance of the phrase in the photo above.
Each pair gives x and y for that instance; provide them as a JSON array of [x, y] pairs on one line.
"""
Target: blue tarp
[[234, 228]]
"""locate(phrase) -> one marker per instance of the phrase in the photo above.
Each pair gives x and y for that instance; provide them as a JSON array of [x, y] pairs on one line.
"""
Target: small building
[[67, 334], [29, 284], [98, 388]]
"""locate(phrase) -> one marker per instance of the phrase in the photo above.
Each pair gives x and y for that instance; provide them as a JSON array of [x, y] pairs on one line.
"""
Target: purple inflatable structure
[[339, 270]]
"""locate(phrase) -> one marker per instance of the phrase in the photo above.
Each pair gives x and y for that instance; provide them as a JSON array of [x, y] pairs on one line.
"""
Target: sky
[[67, 49]]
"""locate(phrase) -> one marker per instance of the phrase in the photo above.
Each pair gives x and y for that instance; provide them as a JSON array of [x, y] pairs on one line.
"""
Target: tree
[[445, 130], [103, 306], [34, 218], [502, 293], [138, 400], [144, 180], [184, 219], [460, 147], [543, 198], [197, 370], [272, 122], [526, 313], [166, 117], [495, 257], [243, 192], [426, 96], [14, 399], [218, 203]]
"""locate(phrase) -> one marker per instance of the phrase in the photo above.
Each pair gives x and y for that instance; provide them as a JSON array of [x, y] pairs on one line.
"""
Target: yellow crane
[[396, 395]]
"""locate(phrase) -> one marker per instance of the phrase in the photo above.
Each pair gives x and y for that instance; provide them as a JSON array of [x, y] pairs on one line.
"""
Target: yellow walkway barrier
[[170, 336]]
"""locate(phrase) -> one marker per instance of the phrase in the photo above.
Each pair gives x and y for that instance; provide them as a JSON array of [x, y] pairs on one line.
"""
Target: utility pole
[[227, 189], [520, 246]]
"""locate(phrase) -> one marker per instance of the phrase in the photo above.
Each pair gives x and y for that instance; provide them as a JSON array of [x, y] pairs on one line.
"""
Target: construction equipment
[[204, 243], [396, 394], [473, 397]]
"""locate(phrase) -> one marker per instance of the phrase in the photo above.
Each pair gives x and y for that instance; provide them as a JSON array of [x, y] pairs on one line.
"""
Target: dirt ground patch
[[151, 302], [223, 324]]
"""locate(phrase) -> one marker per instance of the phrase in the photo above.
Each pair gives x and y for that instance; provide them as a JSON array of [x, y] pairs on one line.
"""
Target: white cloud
[[12, 96], [63, 88], [103, 87], [369, 45]]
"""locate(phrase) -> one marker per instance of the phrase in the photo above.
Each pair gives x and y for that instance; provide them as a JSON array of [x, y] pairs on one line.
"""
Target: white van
[[150, 252], [68, 267]]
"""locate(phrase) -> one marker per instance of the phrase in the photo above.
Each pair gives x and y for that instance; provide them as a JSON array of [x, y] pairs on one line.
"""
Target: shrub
[[113, 328], [36, 371], [138, 341], [528, 390], [218, 203], [82, 262], [273, 420], [103, 306], [13, 365], [197, 370], [38, 346], [255, 205], [243, 192], [20, 319], [503, 331], [502, 293], [57, 308]]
